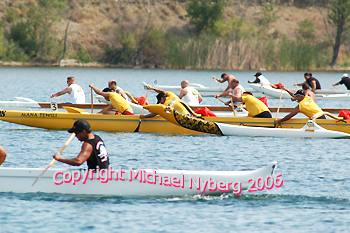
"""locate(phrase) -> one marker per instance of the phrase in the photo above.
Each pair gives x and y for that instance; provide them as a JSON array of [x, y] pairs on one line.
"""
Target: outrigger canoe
[[203, 90], [121, 123], [141, 182], [326, 94], [310, 129]]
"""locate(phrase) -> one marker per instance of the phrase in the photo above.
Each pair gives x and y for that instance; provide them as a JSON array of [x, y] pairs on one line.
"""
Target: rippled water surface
[[315, 195]]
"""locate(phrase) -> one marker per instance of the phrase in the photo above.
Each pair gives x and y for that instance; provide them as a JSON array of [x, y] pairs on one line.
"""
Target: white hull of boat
[[203, 90], [310, 130], [320, 94], [182, 182]]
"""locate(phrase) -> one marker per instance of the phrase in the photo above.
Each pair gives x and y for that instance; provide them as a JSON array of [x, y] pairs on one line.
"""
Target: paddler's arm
[[3, 155], [148, 115], [200, 98], [155, 89], [336, 84], [299, 84], [313, 86], [84, 155], [289, 92], [225, 93], [183, 92], [294, 112], [98, 92], [219, 80], [64, 91], [121, 93]]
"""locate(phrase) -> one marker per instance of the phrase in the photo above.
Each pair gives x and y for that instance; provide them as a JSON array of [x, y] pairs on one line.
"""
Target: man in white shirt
[[237, 91], [76, 93], [190, 95]]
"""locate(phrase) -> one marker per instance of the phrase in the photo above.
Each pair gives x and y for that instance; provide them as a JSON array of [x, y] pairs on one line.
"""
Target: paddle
[[92, 101], [58, 99], [233, 107], [53, 160], [337, 88], [138, 126], [279, 104], [297, 86]]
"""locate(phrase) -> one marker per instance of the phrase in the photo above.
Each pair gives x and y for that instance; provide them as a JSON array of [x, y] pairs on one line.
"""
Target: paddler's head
[[112, 85], [161, 97], [298, 96], [70, 81], [184, 84], [82, 129], [307, 76], [107, 89]]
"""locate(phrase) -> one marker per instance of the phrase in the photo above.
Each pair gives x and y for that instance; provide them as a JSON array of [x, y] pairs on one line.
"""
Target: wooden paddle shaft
[[92, 101], [279, 104], [54, 160], [59, 99]]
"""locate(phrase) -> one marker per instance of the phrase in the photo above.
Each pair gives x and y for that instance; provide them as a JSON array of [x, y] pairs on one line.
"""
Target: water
[[315, 195]]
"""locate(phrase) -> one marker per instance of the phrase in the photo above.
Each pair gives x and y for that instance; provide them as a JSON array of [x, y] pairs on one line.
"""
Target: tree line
[[213, 40]]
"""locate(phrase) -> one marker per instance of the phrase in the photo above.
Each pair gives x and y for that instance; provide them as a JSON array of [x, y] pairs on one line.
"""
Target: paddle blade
[[138, 127], [42, 173]]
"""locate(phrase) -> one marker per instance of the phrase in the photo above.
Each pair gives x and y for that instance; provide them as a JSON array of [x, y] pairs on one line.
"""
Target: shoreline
[[73, 63]]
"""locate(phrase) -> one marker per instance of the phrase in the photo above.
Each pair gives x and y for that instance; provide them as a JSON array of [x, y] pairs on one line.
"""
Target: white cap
[[346, 75]]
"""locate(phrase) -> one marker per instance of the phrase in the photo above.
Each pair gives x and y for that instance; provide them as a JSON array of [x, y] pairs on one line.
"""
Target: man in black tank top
[[313, 82], [93, 150]]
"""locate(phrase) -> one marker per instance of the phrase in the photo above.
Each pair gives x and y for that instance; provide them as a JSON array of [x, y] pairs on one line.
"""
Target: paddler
[[306, 106], [237, 91], [168, 99], [189, 94], [255, 107], [93, 150], [117, 102], [76, 93], [3, 155], [112, 84], [225, 77], [306, 89], [313, 82]]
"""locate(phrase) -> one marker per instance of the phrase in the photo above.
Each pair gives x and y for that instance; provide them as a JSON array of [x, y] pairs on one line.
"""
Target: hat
[[346, 75], [79, 126], [159, 96], [299, 92], [257, 74]]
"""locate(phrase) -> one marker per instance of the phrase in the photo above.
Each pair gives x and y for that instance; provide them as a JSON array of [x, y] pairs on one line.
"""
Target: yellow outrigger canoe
[[124, 123]]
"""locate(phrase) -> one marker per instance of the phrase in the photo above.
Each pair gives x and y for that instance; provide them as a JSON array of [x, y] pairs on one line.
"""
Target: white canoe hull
[[203, 90], [320, 94], [311, 130], [20, 180]]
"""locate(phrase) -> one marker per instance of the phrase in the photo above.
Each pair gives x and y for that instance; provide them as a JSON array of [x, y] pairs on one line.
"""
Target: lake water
[[315, 196]]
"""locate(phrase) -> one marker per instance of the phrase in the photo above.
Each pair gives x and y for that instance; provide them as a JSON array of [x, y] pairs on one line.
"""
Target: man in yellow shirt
[[255, 107], [306, 106], [117, 102], [168, 99]]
